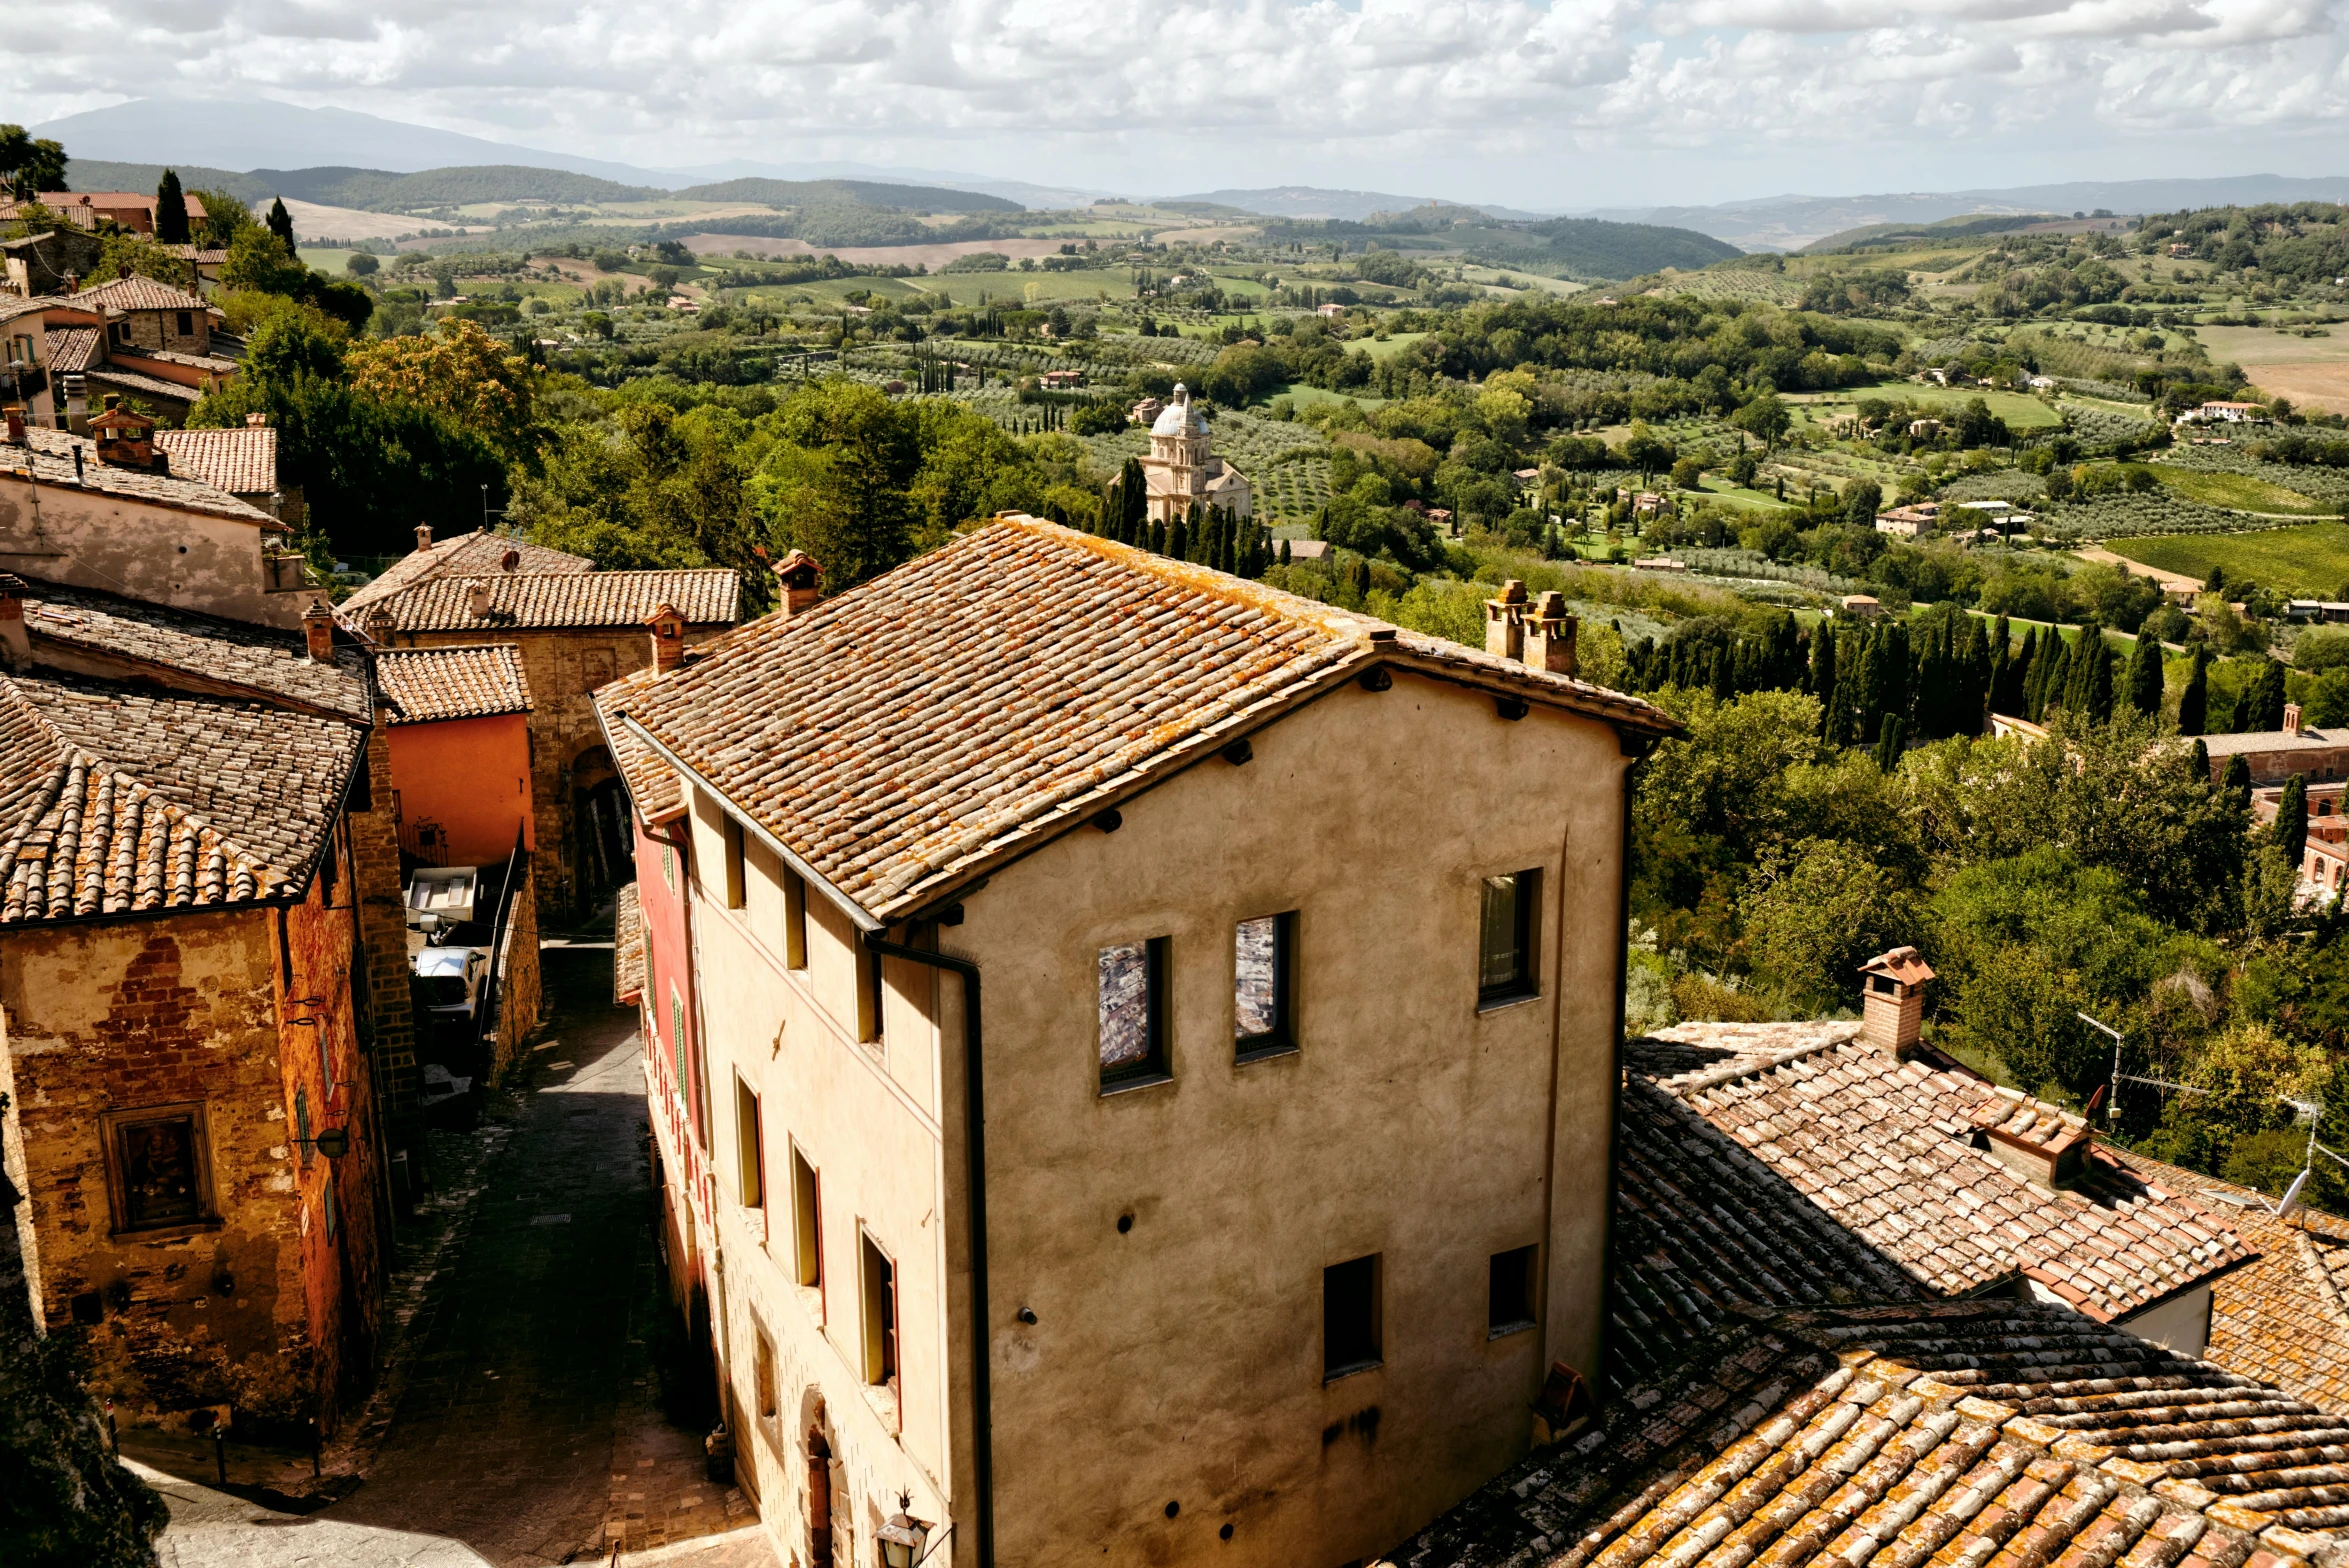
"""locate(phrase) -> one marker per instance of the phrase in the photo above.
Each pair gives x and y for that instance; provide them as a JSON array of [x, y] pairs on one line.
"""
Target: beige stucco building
[[1182, 469], [1158, 1056]]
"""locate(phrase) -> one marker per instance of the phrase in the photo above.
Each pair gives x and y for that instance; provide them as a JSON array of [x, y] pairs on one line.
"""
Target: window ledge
[[883, 1398], [178, 1232], [1496, 1004], [811, 1301], [1339, 1374], [1505, 1330], [1262, 1053], [1138, 1081]]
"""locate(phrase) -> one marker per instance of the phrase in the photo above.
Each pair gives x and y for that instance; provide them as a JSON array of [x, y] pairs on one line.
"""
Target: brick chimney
[[16, 649], [668, 638], [796, 576], [423, 536], [1893, 1005], [1504, 622], [378, 626], [15, 416], [318, 633], [2291, 718], [257, 421], [1549, 636], [477, 595]]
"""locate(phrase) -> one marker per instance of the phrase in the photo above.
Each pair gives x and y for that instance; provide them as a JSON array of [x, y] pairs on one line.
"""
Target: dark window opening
[[736, 892], [1133, 1012], [806, 1223], [749, 1151], [764, 1372], [1264, 986], [159, 1161], [1883, 985], [1511, 1303], [1349, 1317], [880, 1316], [794, 919], [1505, 969]]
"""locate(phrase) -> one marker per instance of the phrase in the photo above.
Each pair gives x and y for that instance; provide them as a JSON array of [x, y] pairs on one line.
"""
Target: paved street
[[520, 1422]]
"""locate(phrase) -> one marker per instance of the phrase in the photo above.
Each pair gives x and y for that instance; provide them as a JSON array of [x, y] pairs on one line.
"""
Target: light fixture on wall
[[903, 1537]]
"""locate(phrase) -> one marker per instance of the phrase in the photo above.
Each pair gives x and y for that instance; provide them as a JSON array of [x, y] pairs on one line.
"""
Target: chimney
[[1504, 622], [423, 536], [378, 626], [77, 463], [477, 598], [16, 650], [2037, 1142], [1894, 1003], [796, 576], [1549, 636], [15, 425], [257, 421], [318, 633], [2291, 718], [668, 638]]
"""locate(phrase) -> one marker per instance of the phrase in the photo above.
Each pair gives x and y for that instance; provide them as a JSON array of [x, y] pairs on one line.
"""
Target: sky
[[1572, 104]]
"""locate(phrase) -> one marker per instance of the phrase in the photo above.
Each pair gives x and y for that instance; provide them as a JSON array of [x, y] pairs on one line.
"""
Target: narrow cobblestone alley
[[521, 1424]]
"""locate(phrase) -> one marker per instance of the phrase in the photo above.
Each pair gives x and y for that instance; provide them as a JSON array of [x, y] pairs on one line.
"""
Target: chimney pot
[[1893, 1006], [2291, 718], [318, 633], [423, 536], [378, 626], [796, 577], [16, 650], [668, 638], [477, 599], [257, 421], [15, 425], [1549, 636], [1504, 622]]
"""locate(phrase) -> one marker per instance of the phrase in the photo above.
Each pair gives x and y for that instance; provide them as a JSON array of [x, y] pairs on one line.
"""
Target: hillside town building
[[1182, 469], [2320, 756], [1117, 1252]]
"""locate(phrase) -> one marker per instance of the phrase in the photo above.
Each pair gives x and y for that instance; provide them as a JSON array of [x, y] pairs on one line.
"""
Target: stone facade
[[1182, 469], [165, 1069], [384, 1002]]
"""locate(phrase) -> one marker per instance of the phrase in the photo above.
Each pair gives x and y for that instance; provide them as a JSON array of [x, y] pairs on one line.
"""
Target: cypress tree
[[1822, 675], [1178, 541], [2292, 820], [2145, 675], [1888, 743], [2079, 671], [171, 211], [2267, 698], [2098, 696], [2011, 696], [2200, 760], [2238, 780], [1973, 706], [1284, 552], [2194, 701]]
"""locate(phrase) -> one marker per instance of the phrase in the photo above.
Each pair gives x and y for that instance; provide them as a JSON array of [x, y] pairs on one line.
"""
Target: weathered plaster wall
[[1183, 1362], [470, 778], [119, 544]]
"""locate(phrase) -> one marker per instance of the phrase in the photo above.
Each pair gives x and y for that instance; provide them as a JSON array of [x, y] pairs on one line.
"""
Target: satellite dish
[[2291, 1197]]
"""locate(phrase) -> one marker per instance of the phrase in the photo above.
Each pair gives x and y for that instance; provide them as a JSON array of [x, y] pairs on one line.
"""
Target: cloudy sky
[[1572, 104]]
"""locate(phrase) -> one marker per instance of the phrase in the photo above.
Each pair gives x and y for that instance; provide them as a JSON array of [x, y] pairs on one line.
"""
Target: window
[[736, 893], [332, 1216], [1349, 1317], [764, 1371], [669, 867], [880, 1284], [1883, 985], [749, 1151], [1133, 1013], [1511, 1303], [1505, 969], [1263, 986], [807, 1223], [794, 919], [187, 324], [302, 1142], [868, 995], [158, 1167]]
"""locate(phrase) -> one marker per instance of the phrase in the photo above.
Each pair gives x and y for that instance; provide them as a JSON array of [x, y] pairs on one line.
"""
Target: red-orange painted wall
[[471, 779]]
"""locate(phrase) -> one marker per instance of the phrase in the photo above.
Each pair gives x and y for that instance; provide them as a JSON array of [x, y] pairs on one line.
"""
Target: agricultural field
[[2306, 563], [2019, 412], [1732, 282], [2240, 492], [2313, 371]]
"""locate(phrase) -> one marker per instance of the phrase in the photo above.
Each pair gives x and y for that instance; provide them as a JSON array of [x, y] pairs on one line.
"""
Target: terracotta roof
[[653, 786], [1902, 964], [2284, 1317], [1955, 1434], [427, 685], [113, 375], [214, 364], [242, 460], [477, 554], [181, 648], [137, 293], [73, 350], [117, 798], [2307, 738], [13, 306], [520, 601], [1896, 1153], [627, 946], [51, 453], [1018, 679]]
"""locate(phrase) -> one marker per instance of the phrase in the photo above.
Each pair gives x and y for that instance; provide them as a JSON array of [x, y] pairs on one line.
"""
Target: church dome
[[1179, 418]]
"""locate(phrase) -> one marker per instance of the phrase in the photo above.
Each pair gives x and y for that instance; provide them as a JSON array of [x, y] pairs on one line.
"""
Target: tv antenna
[[2110, 1094]]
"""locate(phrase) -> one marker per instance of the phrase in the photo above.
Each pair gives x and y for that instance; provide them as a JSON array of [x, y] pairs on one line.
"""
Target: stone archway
[[602, 847]]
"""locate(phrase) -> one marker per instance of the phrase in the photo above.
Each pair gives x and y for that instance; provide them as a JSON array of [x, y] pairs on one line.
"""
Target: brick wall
[[159, 330], [387, 1015]]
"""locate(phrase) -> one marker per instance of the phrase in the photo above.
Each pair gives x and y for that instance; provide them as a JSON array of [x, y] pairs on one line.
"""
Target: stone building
[[2319, 756], [575, 629], [1277, 1190], [192, 831], [1182, 469]]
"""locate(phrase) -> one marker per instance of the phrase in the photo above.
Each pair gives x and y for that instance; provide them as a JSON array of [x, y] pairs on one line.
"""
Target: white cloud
[[1166, 92]]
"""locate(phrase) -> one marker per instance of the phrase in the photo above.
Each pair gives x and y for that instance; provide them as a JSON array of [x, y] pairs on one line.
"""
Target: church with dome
[[1183, 472]]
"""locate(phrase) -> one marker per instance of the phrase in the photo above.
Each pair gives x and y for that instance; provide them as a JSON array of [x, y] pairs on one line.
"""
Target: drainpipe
[[1636, 748], [975, 1114]]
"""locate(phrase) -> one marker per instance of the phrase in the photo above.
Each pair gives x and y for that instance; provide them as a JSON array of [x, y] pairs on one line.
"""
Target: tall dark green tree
[[281, 224], [2291, 833], [2266, 699], [171, 211], [2194, 700], [2145, 671], [1822, 681], [2238, 780], [1888, 743]]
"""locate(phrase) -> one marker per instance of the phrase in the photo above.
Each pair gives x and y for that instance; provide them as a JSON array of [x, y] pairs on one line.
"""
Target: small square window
[[1511, 1302], [1349, 1317], [1264, 986], [1505, 970], [1133, 1012], [158, 1165]]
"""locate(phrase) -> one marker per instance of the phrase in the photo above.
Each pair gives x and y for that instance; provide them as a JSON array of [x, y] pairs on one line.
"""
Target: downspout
[[975, 1114], [1637, 749]]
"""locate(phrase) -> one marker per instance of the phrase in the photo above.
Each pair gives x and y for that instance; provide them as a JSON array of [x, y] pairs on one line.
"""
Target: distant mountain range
[[1792, 222], [1307, 201]]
